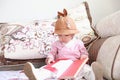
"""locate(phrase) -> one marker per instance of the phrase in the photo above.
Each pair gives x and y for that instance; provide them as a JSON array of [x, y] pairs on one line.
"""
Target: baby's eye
[[66, 35]]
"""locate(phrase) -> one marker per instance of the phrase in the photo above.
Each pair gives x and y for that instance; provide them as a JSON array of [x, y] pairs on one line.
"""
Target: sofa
[[30, 41], [105, 51]]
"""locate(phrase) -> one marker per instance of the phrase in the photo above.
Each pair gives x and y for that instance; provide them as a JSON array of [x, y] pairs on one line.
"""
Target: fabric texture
[[109, 56], [83, 20], [13, 75], [109, 26], [65, 24], [94, 48], [72, 50], [31, 42]]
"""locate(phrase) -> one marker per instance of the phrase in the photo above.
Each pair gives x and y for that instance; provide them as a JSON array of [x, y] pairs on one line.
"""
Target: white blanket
[[13, 75]]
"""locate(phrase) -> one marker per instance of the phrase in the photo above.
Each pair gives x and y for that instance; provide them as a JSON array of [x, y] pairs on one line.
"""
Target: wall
[[26, 10], [102, 8]]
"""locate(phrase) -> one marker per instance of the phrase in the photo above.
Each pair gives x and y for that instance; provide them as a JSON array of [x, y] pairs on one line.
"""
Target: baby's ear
[[65, 12]]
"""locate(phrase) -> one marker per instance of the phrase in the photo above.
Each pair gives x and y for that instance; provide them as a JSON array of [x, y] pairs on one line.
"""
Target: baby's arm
[[83, 51], [52, 54]]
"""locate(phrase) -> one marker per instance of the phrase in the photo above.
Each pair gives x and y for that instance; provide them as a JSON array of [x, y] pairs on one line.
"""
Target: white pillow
[[81, 15]]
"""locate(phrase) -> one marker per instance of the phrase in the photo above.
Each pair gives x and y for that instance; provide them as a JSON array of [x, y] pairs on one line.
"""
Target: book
[[72, 71], [66, 69]]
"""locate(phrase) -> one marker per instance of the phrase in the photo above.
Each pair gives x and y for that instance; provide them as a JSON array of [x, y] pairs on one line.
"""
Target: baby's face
[[65, 38]]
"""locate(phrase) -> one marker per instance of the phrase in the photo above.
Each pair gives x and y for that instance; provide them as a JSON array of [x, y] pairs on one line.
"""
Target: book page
[[73, 69], [61, 66]]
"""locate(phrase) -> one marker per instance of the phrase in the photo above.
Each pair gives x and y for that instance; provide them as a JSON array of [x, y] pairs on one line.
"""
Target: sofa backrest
[[109, 25]]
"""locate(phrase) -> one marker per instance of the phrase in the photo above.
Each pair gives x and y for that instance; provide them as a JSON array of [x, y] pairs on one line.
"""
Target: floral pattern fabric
[[33, 36]]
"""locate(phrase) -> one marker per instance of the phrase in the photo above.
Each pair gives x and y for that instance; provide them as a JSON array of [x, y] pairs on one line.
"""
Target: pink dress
[[72, 50]]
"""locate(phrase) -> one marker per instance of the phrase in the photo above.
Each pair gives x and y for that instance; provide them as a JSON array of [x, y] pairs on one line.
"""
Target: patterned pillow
[[6, 29], [32, 41], [82, 18]]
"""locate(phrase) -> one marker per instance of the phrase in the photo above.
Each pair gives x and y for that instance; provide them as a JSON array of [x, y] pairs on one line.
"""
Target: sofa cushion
[[109, 56], [94, 48], [109, 26], [32, 41]]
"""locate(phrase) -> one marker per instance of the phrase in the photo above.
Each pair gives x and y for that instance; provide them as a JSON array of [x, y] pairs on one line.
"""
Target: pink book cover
[[71, 71]]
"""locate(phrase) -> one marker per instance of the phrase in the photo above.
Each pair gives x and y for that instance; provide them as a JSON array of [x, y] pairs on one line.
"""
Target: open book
[[66, 69]]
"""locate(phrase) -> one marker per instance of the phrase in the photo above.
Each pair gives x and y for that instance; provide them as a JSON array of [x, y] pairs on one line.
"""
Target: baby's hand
[[49, 60], [83, 56]]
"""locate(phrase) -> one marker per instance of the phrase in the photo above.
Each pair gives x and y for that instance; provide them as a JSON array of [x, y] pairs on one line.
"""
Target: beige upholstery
[[107, 57], [105, 52]]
